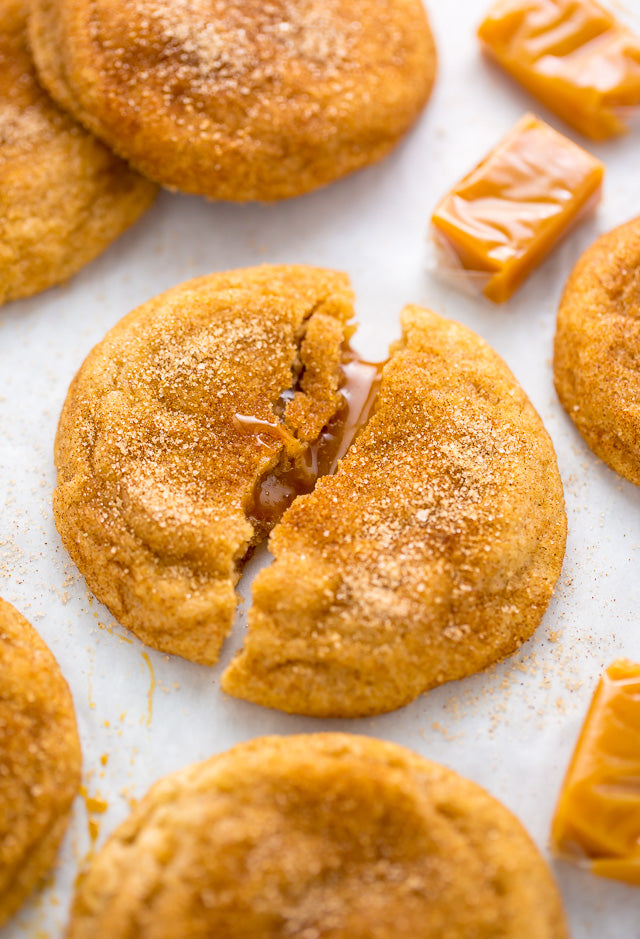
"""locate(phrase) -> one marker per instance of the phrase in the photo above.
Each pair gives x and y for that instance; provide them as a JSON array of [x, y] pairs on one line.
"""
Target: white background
[[511, 729]]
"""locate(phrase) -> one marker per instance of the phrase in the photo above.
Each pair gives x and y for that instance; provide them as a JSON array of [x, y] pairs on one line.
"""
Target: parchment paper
[[141, 714]]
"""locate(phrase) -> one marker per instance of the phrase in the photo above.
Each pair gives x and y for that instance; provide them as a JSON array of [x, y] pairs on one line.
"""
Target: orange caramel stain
[[597, 818], [152, 688], [94, 806]]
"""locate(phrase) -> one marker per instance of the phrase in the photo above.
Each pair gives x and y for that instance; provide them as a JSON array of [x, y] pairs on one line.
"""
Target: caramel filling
[[275, 492]]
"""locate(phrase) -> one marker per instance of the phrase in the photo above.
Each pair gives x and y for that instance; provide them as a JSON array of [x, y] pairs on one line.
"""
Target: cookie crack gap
[[301, 462]]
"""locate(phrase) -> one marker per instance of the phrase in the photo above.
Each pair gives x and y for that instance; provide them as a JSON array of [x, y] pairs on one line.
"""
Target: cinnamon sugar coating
[[431, 553], [40, 759], [239, 99], [597, 349], [325, 835], [168, 427], [64, 197]]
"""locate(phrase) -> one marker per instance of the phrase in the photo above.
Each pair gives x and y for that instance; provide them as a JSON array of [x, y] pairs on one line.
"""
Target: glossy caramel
[[597, 817], [573, 55], [504, 217], [277, 490]]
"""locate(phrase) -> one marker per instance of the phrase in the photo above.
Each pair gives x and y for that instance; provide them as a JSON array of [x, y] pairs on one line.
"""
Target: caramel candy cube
[[502, 219], [573, 55], [597, 818]]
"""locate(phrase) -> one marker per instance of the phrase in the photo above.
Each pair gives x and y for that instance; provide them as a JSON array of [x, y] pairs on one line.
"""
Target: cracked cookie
[[40, 759], [597, 349], [431, 553], [173, 431], [63, 196], [239, 100], [325, 835], [210, 411]]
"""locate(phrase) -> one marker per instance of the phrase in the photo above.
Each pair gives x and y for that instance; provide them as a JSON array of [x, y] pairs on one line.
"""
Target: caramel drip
[[276, 491]]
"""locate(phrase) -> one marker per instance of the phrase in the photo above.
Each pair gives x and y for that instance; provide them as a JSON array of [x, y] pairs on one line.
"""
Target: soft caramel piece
[[505, 216], [598, 813], [573, 55]]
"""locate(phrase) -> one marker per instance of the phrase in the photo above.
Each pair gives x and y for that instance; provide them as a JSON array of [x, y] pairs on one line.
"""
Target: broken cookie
[[431, 553], [169, 429], [204, 414]]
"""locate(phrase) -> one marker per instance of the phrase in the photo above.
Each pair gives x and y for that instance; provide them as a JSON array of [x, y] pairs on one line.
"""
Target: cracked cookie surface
[[431, 553], [64, 197], [329, 836], [239, 99], [597, 349], [173, 419], [40, 759]]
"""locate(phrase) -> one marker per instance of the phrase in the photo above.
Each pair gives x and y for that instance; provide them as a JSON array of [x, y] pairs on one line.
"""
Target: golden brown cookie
[[39, 759], [239, 99], [168, 428], [430, 554], [597, 349], [327, 836], [63, 196]]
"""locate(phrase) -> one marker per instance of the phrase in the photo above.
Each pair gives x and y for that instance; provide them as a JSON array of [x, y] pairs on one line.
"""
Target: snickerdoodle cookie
[[39, 759], [431, 553], [239, 99], [168, 428], [325, 835], [204, 414], [597, 349], [63, 195]]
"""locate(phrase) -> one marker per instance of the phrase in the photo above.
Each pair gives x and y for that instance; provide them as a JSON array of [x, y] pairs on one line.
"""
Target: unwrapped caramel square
[[503, 218]]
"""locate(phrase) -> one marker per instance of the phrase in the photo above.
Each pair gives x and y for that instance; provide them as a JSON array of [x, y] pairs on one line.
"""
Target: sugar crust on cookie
[[597, 347], [319, 835], [64, 197], [431, 553], [239, 99], [40, 759], [156, 471]]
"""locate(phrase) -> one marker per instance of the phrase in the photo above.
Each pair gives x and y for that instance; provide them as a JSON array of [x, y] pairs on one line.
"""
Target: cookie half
[[239, 100], [40, 760], [64, 197], [168, 429], [431, 553], [320, 835], [597, 348]]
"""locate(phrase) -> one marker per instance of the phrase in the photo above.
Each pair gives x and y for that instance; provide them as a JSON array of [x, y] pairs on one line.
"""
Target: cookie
[[597, 346], [318, 835], [431, 553], [39, 759], [64, 197], [236, 100], [168, 429]]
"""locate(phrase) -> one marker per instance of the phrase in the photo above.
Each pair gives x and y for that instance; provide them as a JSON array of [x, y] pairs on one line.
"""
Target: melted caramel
[[597, 818], [276, 491]]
